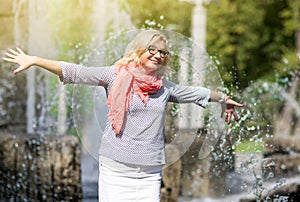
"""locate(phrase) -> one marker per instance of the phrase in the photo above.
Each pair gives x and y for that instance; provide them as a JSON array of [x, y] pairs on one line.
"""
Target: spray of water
[[200, 68]]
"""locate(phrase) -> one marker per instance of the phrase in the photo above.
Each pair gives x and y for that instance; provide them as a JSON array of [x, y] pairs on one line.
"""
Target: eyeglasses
[[163, 53]]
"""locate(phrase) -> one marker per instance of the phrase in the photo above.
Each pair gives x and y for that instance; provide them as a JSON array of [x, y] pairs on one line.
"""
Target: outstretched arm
[[26, 61], [201, 96]]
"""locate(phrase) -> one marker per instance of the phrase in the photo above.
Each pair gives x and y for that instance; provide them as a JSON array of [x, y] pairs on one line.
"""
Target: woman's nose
[[157, 54]]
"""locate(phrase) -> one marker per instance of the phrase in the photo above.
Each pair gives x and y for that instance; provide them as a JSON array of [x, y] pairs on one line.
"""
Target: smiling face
[[153, 58], [148, 51]]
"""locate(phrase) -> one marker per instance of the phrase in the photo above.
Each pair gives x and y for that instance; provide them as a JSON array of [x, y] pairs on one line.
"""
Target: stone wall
[[206, 177], [40, 168], [281, 157], [193, 177], [171, 175], [287, 192]]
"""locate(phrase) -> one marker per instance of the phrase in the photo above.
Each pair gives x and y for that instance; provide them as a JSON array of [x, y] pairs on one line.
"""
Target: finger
[[18, 70], [235, 116], [13, 51], [9, 60], [236, 104], [228, 118], [20, 50], [232, 102], [239, 105], [10, 55]]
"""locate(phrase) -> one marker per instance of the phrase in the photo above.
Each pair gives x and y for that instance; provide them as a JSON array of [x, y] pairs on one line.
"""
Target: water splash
[[105, 55]]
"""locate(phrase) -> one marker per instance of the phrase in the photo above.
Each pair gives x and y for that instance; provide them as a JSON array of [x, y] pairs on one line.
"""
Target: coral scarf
[[128, 79]]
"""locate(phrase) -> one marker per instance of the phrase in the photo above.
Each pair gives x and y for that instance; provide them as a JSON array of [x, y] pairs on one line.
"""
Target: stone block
[[282, 145], [281, 157], [277, 166], [206, 177], [171, 175], [40, 168], [287, 192]]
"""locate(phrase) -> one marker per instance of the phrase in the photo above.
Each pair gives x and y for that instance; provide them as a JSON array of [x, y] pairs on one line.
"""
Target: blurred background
[[253, 45]]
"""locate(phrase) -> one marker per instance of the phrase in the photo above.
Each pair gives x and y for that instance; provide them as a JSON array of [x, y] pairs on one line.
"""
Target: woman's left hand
[[228, 107]]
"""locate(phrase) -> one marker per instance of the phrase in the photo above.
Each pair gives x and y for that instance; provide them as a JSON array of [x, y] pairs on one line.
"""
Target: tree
[[247, 37], [169, 14], [72, 23]]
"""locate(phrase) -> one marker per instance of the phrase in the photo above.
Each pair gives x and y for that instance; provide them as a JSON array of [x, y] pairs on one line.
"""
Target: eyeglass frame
[[163, 53]]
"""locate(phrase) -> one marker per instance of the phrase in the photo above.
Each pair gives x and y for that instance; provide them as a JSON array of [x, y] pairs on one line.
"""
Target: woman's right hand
[[19, 57]]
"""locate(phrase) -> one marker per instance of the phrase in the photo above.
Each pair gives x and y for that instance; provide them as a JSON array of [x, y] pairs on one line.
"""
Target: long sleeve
[[78, 74], [187, 94]]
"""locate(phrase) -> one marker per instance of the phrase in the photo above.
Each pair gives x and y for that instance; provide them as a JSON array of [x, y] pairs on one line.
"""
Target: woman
[[132, 148]]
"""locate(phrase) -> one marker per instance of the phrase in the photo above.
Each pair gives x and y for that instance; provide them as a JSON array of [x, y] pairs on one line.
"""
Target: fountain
[[203, 162]]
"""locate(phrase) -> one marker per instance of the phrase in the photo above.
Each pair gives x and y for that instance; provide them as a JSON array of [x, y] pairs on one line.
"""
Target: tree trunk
[[297, 126]]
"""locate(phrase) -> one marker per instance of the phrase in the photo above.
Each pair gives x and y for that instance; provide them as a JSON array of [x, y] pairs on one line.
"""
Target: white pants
[[120, 182]]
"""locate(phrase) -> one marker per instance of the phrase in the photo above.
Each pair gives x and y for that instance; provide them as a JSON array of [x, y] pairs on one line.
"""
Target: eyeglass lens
[[163, 53]]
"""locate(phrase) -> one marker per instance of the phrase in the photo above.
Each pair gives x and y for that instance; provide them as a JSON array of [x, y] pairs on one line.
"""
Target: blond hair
[[140, 44]]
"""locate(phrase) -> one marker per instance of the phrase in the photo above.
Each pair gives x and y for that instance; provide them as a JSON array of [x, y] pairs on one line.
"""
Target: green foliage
[[264, 101], [72, 21], [249, 147], [247, 36], [292, 17], [168, 14], [289, 64]]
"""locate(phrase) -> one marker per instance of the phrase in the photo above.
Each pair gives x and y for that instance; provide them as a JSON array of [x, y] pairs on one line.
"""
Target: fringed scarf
[[128, 79]]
